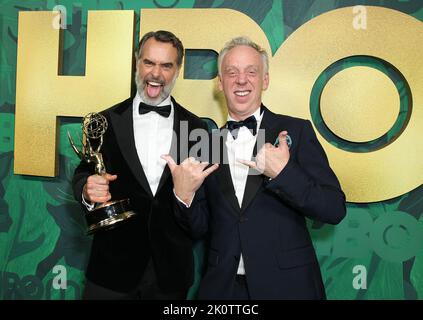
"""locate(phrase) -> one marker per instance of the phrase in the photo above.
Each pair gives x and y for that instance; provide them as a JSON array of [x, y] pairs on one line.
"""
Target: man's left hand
[[271, 160]]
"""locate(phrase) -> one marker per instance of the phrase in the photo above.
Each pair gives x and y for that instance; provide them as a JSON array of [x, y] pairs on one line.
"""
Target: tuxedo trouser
[[240, 291], [148, 289]]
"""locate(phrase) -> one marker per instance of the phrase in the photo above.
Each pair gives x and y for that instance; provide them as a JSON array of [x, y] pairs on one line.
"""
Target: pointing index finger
[[170, 162], [248, 163]]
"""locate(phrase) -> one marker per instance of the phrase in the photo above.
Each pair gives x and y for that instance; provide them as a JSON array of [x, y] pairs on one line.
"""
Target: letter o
[[391, 36]]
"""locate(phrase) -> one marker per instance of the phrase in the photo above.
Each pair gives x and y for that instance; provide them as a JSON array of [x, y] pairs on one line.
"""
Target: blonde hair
[[242, 41]]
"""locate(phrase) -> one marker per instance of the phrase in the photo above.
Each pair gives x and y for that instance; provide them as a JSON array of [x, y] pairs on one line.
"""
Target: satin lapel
[[255, 179], [122, 121], [223, 174], [174, 146], [272, 125]]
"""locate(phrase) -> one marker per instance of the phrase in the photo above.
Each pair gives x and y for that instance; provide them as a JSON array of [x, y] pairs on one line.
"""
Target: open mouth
[[154, 88], [243, 93]]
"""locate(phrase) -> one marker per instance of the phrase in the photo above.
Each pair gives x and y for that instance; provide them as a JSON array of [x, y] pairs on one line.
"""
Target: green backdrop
[[41, 225]]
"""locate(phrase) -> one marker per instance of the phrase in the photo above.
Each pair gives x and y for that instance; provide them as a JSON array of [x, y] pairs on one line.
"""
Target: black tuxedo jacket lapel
[[255, 180], [223, 174], [175, 145], [122, 121]]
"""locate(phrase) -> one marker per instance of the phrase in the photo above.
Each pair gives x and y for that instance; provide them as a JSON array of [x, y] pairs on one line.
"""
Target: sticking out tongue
[[153, 89]]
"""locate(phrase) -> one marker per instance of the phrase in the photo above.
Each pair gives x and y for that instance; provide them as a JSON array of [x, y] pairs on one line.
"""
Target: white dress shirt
[[153, 138], [241, 148]]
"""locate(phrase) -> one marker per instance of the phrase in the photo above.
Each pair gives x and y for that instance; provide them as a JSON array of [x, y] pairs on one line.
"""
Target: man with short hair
[[149, 256], [254, 210]]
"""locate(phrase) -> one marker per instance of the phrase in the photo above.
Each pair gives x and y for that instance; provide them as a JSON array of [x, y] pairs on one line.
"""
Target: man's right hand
[[188, 176], [96, 190]]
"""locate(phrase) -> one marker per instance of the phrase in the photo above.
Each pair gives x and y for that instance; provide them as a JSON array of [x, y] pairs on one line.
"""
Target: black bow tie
[[164, 111], [250, 123]]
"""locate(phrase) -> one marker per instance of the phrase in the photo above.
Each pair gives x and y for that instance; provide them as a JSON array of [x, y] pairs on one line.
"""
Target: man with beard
[[149, 256]]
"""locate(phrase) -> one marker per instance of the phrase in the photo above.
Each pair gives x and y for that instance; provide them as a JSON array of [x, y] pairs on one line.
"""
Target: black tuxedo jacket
[[270, 227], [119, 256]]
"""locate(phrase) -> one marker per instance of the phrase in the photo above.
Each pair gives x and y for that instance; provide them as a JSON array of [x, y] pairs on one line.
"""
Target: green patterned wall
[[41, 225]]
